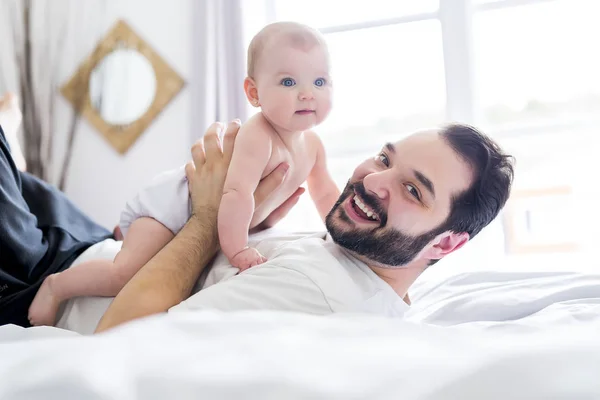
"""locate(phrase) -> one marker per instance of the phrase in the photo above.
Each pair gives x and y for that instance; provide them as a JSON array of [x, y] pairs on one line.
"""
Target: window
[[542, 68], [334, 13], [525, 71], [399, 43], [384, 82], [538, 91]]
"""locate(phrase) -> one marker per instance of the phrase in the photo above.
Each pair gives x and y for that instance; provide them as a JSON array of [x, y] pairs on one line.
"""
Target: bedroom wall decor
[[125, 84]]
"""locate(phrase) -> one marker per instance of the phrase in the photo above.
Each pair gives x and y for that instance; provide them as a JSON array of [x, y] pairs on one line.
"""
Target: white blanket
[[494, 299], [482, 335]]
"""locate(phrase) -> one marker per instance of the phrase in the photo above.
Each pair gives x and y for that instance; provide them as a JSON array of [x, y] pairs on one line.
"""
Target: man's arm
[[272, 286], [168, 278]]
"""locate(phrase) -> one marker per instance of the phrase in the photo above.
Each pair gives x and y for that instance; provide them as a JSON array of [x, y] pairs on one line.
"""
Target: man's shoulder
[[269, 243], [307, 254], [285, 282], [306, 267], [282, 236], [336, 275], [348, 284]]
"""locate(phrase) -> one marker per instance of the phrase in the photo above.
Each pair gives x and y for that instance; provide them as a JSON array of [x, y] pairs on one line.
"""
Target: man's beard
[[384, 246]]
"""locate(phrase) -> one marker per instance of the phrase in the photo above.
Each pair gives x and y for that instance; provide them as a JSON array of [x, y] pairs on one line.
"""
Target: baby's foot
[[45, 305], [249, 257]]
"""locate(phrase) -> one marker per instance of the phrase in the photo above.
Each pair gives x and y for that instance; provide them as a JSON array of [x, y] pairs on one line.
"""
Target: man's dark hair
[[473, 209]]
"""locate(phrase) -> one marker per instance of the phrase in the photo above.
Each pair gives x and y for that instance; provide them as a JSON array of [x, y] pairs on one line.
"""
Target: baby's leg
[[145, 238]]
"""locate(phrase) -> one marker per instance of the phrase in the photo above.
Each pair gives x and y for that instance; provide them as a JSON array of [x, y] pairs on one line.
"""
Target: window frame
[[456, 20]]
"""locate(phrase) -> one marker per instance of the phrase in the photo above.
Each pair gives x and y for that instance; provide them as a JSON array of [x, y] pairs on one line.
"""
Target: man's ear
[[251, 91], [445, 244]]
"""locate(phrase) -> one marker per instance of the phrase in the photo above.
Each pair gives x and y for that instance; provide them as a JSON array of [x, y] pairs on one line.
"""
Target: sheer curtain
[[38, 39], [400, 66], [379, 95], [219, 64]]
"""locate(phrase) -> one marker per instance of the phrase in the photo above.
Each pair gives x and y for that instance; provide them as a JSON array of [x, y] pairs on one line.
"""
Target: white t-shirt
[[309, 274]]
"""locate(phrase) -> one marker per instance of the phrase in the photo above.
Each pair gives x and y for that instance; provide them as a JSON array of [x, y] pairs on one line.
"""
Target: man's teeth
[[365, 209]]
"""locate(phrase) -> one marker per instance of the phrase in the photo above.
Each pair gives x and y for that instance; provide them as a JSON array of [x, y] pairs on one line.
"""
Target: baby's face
[[294, 87]]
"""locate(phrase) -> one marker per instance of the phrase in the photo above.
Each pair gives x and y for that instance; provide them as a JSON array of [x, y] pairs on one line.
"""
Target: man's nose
[[377, 183]]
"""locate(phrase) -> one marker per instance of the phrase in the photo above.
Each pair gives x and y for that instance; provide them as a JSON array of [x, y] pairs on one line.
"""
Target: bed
[[471, 335]]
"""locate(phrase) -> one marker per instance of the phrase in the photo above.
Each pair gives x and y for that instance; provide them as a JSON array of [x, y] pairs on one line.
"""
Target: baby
[[288, 78]]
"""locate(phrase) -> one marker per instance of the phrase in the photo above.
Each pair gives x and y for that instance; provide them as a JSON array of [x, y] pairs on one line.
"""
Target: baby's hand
[[249, 257]]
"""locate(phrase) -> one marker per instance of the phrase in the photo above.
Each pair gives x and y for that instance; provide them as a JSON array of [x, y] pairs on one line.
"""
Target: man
[[42, 232], [417, 201]]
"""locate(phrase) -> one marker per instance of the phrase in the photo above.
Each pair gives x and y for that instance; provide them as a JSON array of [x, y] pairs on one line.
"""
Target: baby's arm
[[321, 187], [250, 157]]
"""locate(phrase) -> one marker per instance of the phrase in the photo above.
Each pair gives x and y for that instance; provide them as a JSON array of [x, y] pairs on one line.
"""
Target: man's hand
[[207, 171], [211, 185], [280, 212], [169, 277]]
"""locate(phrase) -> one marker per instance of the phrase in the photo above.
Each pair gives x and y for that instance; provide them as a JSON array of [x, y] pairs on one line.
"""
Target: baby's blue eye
[[288, 82], [320, 82]]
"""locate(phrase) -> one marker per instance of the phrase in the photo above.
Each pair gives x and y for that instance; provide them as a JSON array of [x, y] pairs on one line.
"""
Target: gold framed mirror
[[122, 86]]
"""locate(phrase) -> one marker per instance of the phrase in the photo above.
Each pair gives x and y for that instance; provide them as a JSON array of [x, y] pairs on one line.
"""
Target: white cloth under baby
[[166, 199]]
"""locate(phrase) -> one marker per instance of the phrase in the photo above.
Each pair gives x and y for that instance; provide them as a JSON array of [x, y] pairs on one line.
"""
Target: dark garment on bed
[[41, 232]]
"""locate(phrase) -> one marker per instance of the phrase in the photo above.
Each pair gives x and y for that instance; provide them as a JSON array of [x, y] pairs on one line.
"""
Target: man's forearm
[[169, 277]]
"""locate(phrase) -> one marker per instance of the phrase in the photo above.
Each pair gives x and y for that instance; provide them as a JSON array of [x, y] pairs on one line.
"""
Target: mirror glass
[[122, 86]]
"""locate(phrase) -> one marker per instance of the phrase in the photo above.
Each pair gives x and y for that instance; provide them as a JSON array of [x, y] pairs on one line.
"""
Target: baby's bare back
[[297, 150]]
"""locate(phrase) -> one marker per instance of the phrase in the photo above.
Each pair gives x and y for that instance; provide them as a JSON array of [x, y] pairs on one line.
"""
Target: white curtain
[[56, 30], [219, 58], [8, 66]]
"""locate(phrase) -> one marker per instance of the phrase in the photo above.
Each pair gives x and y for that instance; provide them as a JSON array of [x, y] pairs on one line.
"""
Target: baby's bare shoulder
[[313, 141], [256, 125], [253, 139]]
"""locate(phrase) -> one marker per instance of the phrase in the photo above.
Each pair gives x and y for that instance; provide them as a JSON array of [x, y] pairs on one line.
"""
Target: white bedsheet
[[481, 335], [265, 355], [498, 299]]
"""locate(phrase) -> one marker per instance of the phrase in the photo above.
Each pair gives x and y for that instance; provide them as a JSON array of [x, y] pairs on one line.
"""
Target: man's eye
[[413, 191], [383, 159], [288, 82]]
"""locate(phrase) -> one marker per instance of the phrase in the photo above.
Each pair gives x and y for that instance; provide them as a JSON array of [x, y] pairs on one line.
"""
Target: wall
[[100, 179]]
